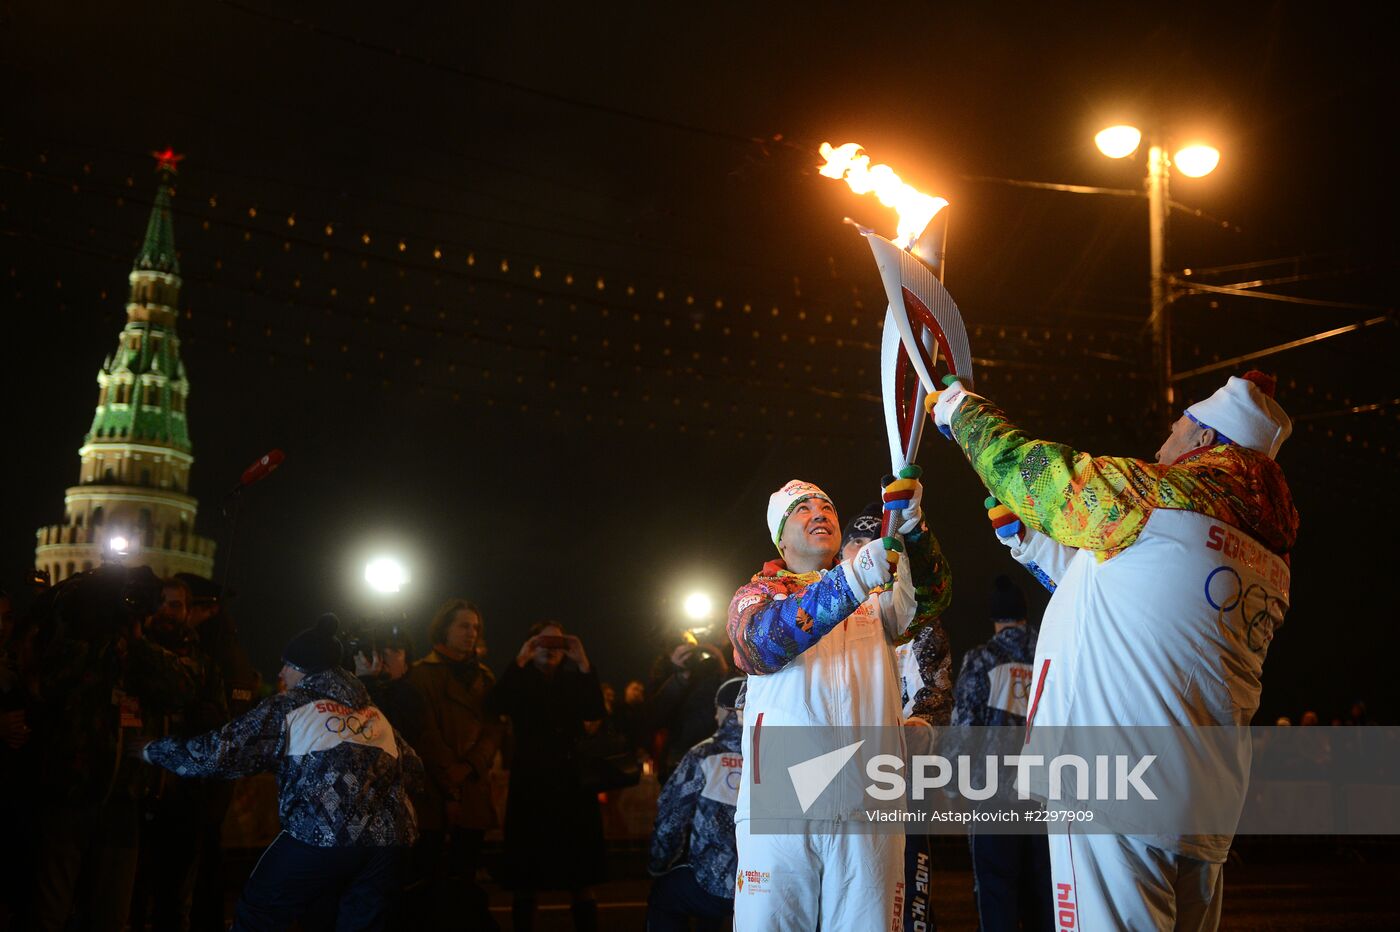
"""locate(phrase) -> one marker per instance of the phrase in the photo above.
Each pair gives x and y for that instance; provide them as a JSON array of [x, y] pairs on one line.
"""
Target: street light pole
[[1158, 201]]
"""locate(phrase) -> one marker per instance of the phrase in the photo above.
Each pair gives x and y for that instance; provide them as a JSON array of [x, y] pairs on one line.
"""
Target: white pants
[[844, 883], [1103, 883]]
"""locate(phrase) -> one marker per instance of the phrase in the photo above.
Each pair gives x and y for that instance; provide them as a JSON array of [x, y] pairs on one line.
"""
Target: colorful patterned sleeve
[[933, 702], [675, 812], [770, 625], [933, 581], [1091, 503], [252, 743], [970, 692]]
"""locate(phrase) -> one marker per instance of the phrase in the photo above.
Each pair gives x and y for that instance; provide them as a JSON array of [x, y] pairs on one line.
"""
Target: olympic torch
[[922, 322]]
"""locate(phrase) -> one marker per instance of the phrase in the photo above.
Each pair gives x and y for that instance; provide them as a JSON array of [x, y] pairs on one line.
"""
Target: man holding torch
[[817, 638], [1170, 580]]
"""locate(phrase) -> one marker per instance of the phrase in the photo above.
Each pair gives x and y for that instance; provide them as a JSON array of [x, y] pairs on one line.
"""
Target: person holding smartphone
[[554, 827]]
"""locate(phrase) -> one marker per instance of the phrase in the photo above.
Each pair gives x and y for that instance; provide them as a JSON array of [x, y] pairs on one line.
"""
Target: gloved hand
[[904, 496], [1008, 527], [941, 405], [872, 566]]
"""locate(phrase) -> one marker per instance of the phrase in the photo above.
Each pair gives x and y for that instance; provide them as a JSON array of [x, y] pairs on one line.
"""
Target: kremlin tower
[[132, 494]]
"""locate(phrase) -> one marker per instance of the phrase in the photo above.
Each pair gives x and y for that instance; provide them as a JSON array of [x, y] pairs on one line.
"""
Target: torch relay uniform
[[1170, 581], [820, 651], [345, 812], [692, 845]]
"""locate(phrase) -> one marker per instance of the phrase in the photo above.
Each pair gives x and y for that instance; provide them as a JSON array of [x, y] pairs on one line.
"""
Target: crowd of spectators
[[116, 670], [101, 666]]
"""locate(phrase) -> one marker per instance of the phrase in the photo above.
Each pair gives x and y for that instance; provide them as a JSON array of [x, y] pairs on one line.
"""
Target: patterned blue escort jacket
[[695, 814], [994, 683], [341, 768]]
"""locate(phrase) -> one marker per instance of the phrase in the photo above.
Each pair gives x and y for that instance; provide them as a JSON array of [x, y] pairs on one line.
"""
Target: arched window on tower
[[108, 477], [145, 477], [97, 515]]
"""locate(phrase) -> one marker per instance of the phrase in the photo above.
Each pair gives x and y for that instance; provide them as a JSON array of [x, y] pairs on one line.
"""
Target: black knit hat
[[315, 649], [1008, 603], [866, 524]]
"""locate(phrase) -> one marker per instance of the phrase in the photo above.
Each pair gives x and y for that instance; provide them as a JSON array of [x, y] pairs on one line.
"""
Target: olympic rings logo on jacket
[[358, 727]]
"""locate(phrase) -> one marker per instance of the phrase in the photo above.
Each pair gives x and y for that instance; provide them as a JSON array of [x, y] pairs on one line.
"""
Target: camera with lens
[[99, 605]]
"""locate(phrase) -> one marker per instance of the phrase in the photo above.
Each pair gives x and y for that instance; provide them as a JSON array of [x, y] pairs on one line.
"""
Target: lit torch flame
[[916, 209]]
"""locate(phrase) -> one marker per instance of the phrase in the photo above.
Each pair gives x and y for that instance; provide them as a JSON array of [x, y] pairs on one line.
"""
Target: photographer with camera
[[101, 688], [554, 828], [342, 774], [684, 703], [382, 665]]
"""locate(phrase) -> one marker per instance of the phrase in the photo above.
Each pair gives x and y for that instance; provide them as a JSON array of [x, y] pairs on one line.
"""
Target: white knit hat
[[1244, 411], [782, 502]]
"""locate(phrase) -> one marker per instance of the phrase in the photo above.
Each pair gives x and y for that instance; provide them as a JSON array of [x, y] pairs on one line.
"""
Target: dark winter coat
[[554, 828], [97, 697], [684, 705], [454, 728]]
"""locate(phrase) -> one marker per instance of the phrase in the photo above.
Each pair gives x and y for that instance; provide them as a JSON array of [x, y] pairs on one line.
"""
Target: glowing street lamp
[[698, 606], [1194, 161], [1118, 142], [385, 575]]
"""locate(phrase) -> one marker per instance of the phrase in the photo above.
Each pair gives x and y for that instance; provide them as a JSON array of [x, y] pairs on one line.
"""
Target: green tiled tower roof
[[143, 383], [158, 251]]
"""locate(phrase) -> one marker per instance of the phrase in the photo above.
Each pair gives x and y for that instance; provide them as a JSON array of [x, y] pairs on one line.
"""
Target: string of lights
[[502, 274]]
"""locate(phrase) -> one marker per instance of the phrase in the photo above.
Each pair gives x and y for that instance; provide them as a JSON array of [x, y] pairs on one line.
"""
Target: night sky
[[547, 300]]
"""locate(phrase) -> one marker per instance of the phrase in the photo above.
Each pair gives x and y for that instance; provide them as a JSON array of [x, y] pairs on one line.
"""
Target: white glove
[[945, 403], [871, 567]]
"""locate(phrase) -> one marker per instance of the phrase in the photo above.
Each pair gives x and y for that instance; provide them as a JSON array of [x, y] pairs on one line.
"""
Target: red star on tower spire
[[167, 161]]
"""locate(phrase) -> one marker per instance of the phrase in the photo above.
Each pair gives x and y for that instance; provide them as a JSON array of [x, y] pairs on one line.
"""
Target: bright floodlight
[[1118, 142], [386, 575], [1196, 161], [118, 544], [697, 606]]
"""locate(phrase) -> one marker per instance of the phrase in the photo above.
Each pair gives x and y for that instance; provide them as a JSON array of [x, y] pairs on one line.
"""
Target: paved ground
[[1298, 887]]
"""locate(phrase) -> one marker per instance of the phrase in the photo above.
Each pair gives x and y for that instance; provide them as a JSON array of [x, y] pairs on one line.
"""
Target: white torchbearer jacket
[[818, 655], [1169, 582]]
